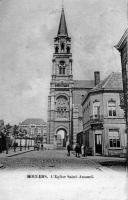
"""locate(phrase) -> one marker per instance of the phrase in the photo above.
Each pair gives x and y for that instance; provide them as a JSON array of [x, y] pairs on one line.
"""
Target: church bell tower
[[60, 97], [62, 57]]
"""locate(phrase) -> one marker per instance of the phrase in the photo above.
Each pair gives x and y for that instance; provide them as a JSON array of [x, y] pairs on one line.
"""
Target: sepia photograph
[[64, 99]]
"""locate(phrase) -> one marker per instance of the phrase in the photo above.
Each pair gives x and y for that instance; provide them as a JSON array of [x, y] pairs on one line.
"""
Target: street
[[47, 159], [52, 172], [50, 160]]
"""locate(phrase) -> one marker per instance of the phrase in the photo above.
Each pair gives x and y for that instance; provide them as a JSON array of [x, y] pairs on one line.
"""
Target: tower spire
[[62, 31]]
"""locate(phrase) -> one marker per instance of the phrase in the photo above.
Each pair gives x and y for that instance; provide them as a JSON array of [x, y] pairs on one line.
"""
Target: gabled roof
[[33, 121], [112, 82], [84, 84], [62, 31]]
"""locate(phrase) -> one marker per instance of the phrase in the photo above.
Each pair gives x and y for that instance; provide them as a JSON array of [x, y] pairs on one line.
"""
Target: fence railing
[[96, 118]]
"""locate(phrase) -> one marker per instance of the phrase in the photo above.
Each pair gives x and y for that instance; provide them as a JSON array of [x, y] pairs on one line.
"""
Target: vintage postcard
[[63, 102]]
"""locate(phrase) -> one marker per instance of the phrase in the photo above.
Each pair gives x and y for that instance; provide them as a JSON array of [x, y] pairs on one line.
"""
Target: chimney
[[96, 77]]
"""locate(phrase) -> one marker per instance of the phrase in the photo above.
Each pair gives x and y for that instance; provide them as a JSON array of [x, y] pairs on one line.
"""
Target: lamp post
[[122, 47]]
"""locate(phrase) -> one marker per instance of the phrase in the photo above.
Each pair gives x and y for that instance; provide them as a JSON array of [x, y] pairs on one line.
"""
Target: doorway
[[61, 138], [98, 144]]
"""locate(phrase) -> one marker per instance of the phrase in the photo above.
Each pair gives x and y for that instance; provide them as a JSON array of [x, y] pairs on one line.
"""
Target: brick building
[[104, 126], [64, 100], [34, 128]]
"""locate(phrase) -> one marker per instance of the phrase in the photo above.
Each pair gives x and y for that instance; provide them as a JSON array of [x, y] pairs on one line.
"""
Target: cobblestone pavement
[[59, 173], [49, 160], [90, 178], [115, 163]]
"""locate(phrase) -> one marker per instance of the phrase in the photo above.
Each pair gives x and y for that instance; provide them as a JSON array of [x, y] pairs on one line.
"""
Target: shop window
[[114, 138]]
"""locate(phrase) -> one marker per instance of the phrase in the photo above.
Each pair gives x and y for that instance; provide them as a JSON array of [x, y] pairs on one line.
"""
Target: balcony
[[96, 121]]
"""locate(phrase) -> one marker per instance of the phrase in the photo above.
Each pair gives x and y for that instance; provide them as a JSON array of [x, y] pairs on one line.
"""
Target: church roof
[[33, 121], [123, 40], [84, 84], [62, 26]]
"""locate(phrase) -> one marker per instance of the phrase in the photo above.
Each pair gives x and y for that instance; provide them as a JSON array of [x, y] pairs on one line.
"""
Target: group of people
[[79, 149], [5, 142]]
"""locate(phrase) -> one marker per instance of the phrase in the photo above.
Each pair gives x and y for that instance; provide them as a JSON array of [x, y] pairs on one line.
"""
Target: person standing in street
[[77, 150], [42, 146], [68, 149], [14, 145], [83, 150], [0, 142], [7, 142]]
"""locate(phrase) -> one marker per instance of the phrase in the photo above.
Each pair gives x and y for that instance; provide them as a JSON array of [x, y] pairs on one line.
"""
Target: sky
[[27, 30]]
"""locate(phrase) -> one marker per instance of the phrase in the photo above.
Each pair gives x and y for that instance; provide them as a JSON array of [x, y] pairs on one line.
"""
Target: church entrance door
[[61, 138]]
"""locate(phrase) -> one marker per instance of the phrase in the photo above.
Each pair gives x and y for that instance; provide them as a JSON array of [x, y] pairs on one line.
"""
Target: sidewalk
[[106, 159], [101, 158], [102, 162], [11, 152]]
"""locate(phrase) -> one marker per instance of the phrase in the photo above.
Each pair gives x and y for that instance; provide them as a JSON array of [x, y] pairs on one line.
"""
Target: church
[[65, 96]]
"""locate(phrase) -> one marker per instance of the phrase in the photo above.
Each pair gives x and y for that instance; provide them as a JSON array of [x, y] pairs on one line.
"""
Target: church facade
[[65, 97]]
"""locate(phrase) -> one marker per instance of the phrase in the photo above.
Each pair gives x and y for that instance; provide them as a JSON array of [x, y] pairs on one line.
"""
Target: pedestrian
[[7, 142], [42, 146], [14, 145], [68, 149], [0, 142], [77, 150], [83, 150]]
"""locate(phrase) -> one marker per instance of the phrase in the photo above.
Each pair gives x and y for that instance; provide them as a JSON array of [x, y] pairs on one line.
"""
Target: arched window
[[62, 106], [62, 47], [62, 67], [56, 49], [111, 108], [60, 70], [63, 70]]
